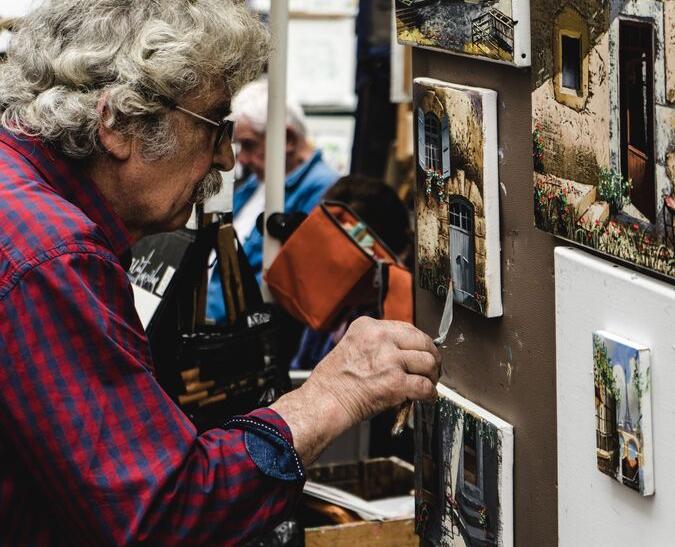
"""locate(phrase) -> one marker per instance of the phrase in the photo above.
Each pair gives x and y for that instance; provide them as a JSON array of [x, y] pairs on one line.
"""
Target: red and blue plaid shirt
[[92, 451]]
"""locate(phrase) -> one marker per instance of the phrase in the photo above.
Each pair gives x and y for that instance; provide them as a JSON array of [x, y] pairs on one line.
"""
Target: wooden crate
[[370, 479]]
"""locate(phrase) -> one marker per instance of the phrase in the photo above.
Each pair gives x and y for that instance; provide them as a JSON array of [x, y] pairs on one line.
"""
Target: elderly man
[[112, 127], [308, 176]]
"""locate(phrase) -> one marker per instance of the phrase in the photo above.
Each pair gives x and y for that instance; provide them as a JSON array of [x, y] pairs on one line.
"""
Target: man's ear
[[114, 142]]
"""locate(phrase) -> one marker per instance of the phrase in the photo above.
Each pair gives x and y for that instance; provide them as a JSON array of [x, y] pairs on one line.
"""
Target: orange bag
[[323, 270]]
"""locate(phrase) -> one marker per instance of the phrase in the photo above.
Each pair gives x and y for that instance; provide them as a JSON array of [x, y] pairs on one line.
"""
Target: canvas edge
[[506, 490], [522, 39], [472, 407], [647, 426], [493, 277]]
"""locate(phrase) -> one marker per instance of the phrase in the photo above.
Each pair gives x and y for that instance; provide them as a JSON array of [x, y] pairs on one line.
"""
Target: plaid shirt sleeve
[[117, 462]]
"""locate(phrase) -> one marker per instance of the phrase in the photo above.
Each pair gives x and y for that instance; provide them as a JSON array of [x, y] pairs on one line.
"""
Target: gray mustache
[[208, 187]]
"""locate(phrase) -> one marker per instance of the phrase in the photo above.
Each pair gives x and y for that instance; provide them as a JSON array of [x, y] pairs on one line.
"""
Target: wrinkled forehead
[[214, 101]]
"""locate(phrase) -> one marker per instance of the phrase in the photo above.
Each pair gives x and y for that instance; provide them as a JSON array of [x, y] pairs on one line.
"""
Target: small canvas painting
[[623, 411], [603, 99], [496, 30], [463, 474], [457, 194]]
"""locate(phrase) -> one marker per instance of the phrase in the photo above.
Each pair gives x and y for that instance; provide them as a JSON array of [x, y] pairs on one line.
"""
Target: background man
[[112, 125], [308, 176]]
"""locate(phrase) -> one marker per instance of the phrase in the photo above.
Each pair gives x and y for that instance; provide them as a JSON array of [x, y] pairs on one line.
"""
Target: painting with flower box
[[457, 194], [604, 126], [495, 30], [463, 474], [623, 411]]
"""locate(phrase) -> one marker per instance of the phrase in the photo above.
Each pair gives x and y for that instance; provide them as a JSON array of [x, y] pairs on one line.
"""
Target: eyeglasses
[[224, 126]]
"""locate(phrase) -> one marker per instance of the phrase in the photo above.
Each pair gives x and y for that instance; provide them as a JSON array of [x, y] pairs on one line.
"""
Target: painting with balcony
[[464, 474], [622, 379], [457, 194], [496, 30], [603, 130]]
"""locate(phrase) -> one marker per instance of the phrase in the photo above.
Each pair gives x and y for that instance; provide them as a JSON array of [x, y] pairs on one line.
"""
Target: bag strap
[[239, 286], [230, 274]]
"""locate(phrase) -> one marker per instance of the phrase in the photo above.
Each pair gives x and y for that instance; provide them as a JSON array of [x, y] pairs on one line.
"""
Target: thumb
[[420, 388]]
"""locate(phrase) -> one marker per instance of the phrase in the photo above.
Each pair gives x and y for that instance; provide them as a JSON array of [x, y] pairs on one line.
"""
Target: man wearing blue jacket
[[308, 176]]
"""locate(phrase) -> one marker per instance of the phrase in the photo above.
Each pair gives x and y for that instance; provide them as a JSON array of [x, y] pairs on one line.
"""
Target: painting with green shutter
[[457, 194]]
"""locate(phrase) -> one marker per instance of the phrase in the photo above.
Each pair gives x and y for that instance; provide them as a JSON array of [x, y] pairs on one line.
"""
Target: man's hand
[[377, 365]]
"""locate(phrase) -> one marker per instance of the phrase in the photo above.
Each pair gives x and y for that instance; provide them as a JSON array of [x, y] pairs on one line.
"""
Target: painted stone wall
[[464, 113], [574, 141], [585, 170]]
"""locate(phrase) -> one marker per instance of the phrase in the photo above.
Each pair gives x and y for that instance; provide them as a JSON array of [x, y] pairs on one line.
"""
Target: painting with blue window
[[463, 474], [457, 194], [623, 411]]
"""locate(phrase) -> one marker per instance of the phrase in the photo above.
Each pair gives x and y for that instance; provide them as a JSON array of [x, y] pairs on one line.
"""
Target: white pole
[[275, 142]]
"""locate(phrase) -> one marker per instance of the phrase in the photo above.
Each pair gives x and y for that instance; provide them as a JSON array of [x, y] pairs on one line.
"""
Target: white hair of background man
[[139, 56], [251, 103]]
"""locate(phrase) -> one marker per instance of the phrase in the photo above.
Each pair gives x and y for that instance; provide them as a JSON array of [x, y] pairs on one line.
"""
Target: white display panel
[[593, 294], [334, 136], [322, 62]]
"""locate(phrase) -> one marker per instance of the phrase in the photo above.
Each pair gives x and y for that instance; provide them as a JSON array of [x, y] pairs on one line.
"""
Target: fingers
[[420, 388], [408, 337], [421, 363]]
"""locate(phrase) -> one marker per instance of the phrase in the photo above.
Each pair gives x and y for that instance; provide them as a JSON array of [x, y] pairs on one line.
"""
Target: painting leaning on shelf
[[604, 126]]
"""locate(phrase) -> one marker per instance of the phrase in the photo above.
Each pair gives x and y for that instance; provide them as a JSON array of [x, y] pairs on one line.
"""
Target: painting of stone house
[[464, 474], [623, 411], [457, 200], [496, 30], [604, 126]]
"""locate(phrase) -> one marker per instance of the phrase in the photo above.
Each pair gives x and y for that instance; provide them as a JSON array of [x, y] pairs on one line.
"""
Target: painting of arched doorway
[[461, 250]]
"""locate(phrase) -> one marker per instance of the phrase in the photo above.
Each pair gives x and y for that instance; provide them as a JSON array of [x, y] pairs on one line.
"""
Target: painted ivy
[[451, 413], [603, 368]]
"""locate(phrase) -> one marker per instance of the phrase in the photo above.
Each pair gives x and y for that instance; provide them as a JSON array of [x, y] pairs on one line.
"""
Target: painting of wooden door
[[636, 57], [462, 259]]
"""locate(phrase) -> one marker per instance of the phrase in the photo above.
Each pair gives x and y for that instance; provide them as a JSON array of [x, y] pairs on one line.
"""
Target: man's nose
[[223, 158]]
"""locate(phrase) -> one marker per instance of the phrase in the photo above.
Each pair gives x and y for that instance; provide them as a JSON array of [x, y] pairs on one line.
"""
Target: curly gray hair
[[68, 54]]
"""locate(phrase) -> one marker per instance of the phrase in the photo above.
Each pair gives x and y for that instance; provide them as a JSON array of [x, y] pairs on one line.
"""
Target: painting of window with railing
[[623, 433], [496, 30], [457, 199], [471, 503]]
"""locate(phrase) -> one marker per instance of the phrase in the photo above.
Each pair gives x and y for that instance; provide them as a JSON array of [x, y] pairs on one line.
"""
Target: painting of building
[[497, 30], [457, 199], [623, 411], [604, 126], [464, 474]]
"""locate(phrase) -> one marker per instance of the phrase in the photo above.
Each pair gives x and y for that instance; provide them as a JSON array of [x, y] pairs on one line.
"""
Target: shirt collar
[[68, 179], [300, 172]]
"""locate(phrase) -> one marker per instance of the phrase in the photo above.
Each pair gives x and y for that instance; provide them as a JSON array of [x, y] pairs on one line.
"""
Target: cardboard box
[[369, 479]]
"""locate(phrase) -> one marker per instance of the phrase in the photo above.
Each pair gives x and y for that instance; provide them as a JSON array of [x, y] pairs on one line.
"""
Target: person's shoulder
[[322, 174], [37, 222]]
